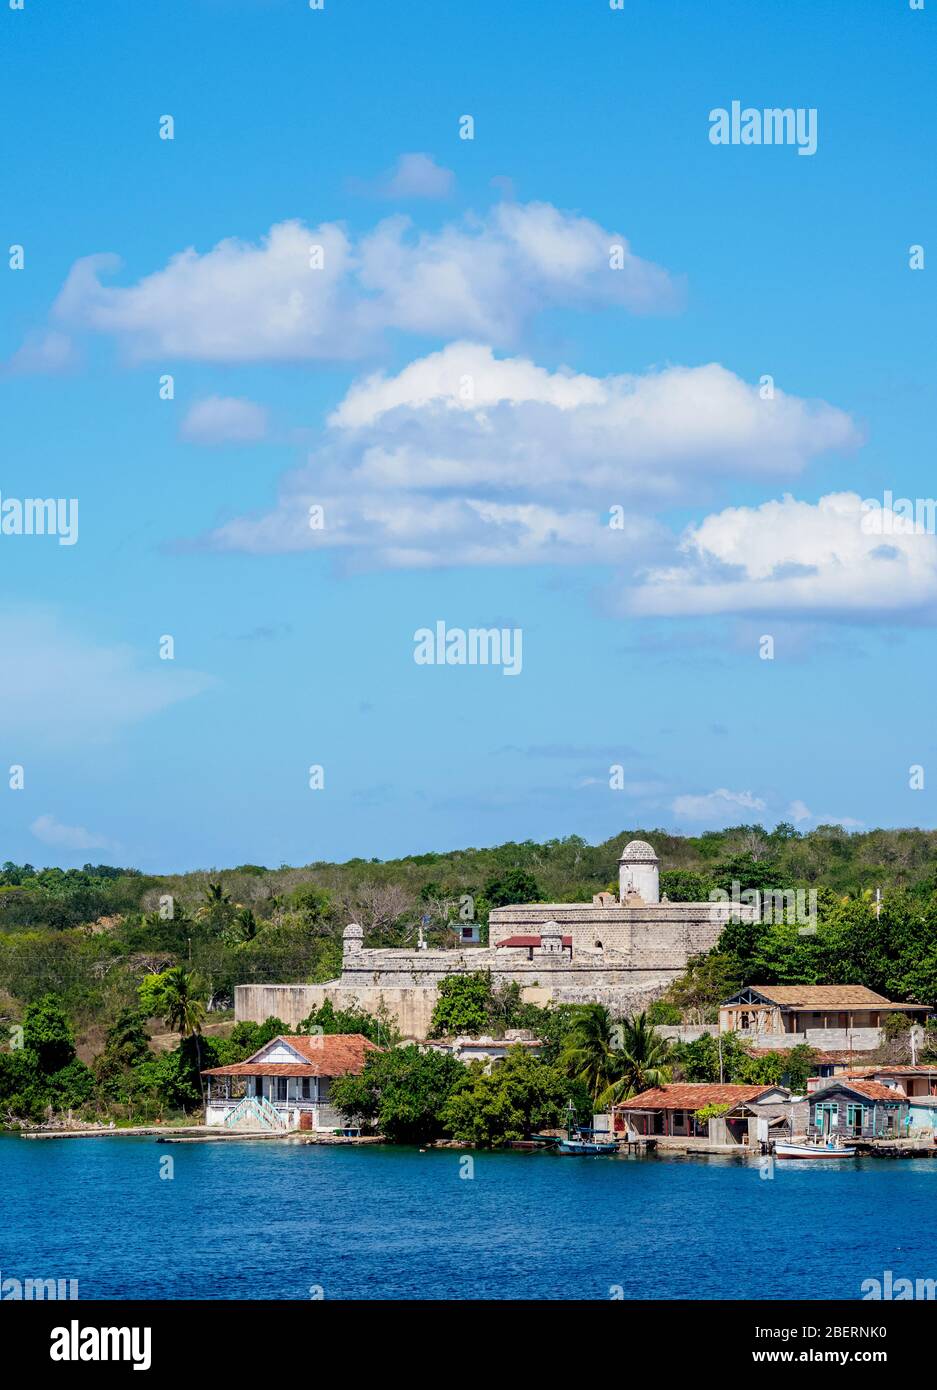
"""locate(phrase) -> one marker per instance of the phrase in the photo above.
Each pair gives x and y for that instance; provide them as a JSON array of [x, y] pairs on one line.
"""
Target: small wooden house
[[858, 1108]]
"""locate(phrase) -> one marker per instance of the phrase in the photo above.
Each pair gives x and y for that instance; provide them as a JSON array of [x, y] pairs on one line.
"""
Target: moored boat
[[824, 1149], [577, 1145], [580, 1139]]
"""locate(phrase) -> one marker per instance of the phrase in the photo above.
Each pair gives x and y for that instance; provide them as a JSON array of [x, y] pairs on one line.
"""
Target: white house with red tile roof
[[286, 1084]]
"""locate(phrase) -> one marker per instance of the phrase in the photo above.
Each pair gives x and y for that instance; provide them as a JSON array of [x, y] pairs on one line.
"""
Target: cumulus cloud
[[465, 458], [224, 420], [801, 814], [792, 557], [413, 176], [58, 687], [69, 837], [315, 293], [720, 807]]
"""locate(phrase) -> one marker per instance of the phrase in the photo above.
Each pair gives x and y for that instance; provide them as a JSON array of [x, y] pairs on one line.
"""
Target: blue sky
[[448, 259]]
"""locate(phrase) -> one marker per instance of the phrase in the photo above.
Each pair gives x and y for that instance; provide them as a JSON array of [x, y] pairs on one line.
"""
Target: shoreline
[[204, 1134]]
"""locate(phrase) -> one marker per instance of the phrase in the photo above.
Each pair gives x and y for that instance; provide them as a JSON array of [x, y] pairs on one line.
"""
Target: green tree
[[590, 1054], [703, 1059], [126, 1044], [178, 997], [463, 1005], [400, 1093], [798, 1064], [685, 886], [314, 906], [47, 1034], [643, 1060], [660, 1011], [520, 1097], [516, 886]]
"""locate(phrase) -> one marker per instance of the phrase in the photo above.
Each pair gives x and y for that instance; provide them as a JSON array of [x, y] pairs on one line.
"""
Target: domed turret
[[352, 938], [639, 872]]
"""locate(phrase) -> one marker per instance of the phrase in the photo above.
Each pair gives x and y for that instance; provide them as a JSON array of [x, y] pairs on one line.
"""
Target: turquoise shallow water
[[268, 1220]]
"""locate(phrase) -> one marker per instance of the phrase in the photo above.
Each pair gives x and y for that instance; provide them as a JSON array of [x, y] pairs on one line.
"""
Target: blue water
[[270, 1220]]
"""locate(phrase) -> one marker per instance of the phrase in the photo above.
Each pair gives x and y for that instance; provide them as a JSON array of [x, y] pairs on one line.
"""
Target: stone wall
[[622, 956], [412, 1008], [687, 1032], [661, 936]]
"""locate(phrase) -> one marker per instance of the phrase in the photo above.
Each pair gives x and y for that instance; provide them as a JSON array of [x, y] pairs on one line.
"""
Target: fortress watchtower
[[639, 871]]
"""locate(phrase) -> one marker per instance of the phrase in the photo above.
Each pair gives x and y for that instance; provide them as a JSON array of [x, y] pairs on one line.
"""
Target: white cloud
[[463, 414], [721, 807], [243, 302], [792, 557], [397, 530], [45, 351], [224, 420], [466, 377], [70, 837], [59, 688], [413, 176], [800, 813], [465, 458]]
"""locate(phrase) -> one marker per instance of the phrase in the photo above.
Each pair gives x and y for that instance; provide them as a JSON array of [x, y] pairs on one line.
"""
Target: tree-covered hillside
[[90, 936]]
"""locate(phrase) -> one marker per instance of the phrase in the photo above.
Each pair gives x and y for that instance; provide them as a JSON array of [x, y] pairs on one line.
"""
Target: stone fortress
[[622, 952]]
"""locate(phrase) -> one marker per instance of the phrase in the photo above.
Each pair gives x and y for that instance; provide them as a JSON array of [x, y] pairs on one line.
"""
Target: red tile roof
[[692, 1095], [529, 941], [330, 1054], [872, 1090]]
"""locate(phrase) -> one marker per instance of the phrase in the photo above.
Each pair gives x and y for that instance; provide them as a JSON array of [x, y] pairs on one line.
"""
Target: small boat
[[579, 1139], [826, 1148], [826, 1145]]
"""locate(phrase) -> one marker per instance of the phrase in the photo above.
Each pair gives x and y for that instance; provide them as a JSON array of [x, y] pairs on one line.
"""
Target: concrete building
[[622, 953], [492, 1052], [830, 1017]]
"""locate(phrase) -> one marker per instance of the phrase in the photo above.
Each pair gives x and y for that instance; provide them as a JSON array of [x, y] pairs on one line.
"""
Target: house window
[[306, 1084], [281, 1087]]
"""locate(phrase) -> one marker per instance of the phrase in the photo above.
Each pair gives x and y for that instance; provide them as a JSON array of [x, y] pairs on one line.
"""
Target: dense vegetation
[[89, 936], [100, 958]]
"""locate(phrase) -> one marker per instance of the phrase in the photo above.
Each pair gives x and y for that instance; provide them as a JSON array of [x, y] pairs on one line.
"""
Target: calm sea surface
[[270, 1220]]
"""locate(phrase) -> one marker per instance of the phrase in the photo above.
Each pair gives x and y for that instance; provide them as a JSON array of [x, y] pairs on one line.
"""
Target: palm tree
[[247, 924], [589, 1053], [183, 1007], [644, 1060]]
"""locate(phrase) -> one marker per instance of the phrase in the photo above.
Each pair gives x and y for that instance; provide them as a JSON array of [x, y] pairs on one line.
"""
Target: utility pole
[[721, 1078]]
